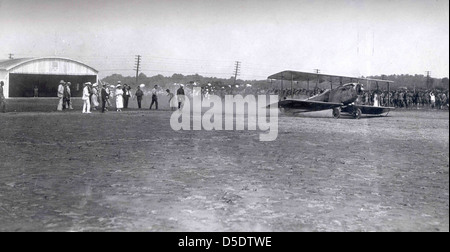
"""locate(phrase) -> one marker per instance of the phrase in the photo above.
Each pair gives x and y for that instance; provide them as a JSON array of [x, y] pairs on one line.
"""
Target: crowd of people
[[401, 98], [103, 97], [434, 99]]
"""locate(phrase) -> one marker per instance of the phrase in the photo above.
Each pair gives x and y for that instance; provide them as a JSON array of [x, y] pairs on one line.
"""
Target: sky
[[341, 37]]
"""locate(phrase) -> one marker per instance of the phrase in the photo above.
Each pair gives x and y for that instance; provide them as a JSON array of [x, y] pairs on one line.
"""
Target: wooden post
[[292, 87], [389, 95]]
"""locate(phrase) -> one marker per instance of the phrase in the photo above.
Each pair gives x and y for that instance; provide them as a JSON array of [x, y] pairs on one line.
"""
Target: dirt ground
[[129, 171]]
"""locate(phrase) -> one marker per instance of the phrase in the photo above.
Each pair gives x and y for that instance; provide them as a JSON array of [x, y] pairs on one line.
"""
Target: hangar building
[[22, 76]]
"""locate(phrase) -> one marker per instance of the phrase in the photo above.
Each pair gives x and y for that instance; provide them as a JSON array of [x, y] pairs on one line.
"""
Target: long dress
[[173, 101], [119, 98], [94, 98], [376, 102]]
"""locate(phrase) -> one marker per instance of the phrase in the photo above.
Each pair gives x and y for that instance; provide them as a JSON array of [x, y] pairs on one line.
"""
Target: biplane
[[341, 99]]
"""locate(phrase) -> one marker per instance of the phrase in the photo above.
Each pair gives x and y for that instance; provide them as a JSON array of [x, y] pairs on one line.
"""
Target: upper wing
[[290, 75], [305, 105]]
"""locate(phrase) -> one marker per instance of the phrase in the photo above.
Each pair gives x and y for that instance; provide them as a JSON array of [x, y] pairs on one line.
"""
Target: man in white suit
[[85, 98], [60, 95]]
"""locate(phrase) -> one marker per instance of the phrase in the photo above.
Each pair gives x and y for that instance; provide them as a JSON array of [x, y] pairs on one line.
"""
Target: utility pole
[[428, 79], [317, 71], [138, 62], [236, 71], [11, 56]]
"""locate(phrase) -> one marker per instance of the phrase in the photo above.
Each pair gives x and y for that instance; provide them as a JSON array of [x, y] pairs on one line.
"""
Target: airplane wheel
[[336, 113], [357, 113]]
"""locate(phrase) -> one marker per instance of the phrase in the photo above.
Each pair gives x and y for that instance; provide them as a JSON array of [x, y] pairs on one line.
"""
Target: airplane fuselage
[[345, 94]]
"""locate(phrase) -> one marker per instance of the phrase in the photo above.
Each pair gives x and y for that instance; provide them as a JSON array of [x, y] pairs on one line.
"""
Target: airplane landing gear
[[337, 113], [356, 113]]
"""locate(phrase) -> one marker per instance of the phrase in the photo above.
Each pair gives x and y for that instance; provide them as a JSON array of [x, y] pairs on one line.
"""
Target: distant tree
[[177, 78], [142, 76]]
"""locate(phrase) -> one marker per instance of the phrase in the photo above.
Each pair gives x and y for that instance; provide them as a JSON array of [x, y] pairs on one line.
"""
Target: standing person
[[130, 95], [69, 101], [2, 98], [172, 100], [105, 97], [139, 95], [154, 97], [126, 95], [444, 100], [110, 95], [66, 97], [86, 98], [94, 97], [60, 95], [401, 99], [36, 91], [432, 100], [375, 100], [180, 96], [366, 98], [119, 98]]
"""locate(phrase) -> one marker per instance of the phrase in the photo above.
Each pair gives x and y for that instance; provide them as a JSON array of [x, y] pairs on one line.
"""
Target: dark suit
[[105, 97], [126, 96], [154, 98], [2, 100], [180, 94], [139, 95]]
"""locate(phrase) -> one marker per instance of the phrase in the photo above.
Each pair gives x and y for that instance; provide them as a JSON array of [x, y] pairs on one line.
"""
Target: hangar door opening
[[23, 85]]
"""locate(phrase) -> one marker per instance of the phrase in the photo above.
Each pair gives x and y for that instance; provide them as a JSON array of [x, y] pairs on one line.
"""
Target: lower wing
[[372, 110], [305, 105]]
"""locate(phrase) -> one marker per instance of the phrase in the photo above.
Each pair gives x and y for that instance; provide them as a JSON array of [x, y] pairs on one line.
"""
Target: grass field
[[129, 171]]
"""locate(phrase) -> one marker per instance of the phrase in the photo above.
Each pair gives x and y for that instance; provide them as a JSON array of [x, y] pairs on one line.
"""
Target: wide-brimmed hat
[[95, 85], [118, 85], [88, 83], [61, 82]]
